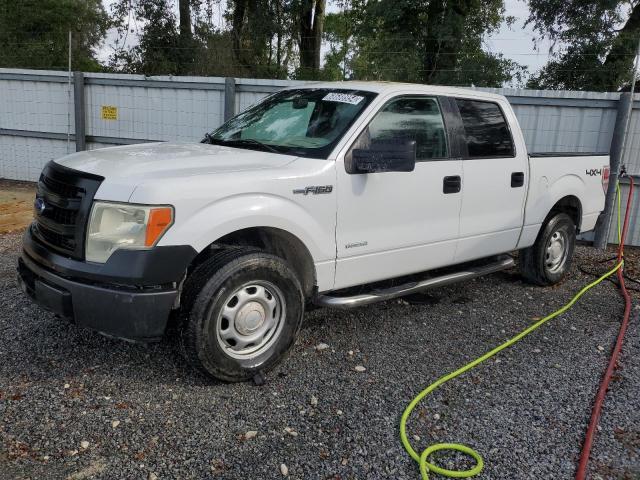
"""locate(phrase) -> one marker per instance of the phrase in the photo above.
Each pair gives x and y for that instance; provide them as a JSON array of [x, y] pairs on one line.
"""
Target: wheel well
[[571, 206], [271, 240]]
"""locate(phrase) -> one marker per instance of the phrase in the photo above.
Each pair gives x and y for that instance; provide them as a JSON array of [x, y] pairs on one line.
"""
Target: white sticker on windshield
[[343, 98]]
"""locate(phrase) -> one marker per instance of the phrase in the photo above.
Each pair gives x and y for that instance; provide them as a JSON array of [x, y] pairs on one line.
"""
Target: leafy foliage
[[425, 41], [258, 42], [261, 32], [595, 42], [158, 50], [34, 33]]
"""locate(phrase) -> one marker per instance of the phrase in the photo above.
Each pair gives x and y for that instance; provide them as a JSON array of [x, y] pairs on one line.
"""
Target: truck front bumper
[[129, 297]]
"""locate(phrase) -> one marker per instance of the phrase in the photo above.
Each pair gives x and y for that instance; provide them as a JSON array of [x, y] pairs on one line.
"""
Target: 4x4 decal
[[593, 172]]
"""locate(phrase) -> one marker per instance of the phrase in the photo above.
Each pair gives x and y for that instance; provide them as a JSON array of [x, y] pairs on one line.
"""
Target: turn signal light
[[160, 219]]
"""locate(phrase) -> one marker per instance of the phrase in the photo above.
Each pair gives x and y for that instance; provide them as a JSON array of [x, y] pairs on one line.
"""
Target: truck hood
[[132, 164]]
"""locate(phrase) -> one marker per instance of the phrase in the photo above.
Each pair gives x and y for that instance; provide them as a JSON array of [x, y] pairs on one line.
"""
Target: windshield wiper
[[208, 138], [251, 141]]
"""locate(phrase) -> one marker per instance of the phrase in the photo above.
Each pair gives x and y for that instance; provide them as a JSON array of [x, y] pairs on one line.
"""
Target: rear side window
[[410, 118], [486, 132]]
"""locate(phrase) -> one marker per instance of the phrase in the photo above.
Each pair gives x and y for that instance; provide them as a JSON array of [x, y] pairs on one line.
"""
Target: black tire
[[206, 294], [537, 263]]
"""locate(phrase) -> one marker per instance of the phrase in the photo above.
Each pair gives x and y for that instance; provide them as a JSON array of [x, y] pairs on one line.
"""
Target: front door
[[396, 223]]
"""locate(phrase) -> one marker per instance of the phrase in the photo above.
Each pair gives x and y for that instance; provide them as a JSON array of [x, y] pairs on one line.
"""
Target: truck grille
[[62, 206]]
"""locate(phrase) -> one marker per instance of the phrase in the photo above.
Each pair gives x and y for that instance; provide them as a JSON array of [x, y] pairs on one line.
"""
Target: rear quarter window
[[486, 132]]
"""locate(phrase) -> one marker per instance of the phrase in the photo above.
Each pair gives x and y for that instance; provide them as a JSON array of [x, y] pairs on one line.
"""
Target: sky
[[515, 42]]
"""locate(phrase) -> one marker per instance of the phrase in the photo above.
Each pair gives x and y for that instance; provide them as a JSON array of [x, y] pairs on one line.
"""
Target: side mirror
[[385, 156]]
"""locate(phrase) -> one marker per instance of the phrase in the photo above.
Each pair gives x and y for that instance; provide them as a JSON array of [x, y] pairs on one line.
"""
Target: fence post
[[616, 151], [79, 111], [229, 98]]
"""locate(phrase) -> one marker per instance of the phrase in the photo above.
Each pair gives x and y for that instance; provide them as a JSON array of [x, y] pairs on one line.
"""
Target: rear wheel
[[549, 259], [242, 310]]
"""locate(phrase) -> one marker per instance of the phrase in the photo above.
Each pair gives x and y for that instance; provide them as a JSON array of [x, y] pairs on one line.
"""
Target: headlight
[[124, 225]]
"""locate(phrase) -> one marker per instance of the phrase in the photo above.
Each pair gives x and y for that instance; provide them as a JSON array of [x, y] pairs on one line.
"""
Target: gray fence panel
[[633, 233], [555, 121], [39, 106], [167, 109], [631, 157], [97, 145], [22, 158]]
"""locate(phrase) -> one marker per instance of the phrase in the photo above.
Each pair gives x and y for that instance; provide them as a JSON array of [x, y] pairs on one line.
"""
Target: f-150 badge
[[316, 190]]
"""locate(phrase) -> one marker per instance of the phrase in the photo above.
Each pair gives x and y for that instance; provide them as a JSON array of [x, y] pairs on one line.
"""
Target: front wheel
[[549, 259], [242, 312]]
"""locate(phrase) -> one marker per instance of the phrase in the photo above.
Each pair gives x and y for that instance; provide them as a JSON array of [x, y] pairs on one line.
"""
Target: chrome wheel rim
[[250, 320], [557, 251]]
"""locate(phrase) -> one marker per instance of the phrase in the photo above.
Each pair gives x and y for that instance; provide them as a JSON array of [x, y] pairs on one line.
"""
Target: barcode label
[[343, 98]]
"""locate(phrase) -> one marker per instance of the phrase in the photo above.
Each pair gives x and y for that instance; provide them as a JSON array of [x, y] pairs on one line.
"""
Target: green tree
[[34, 33], [423, 41], [594, 43], [158, 50], [261, 32], [426, 41], [277, 38], [178, 37], [338, 34]]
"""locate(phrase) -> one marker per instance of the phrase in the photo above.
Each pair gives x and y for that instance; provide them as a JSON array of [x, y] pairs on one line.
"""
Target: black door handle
[[517, 179], [451, 184]]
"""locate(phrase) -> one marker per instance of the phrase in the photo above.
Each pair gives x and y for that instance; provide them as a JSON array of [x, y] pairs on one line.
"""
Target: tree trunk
[[432, 42], [186, 55], [318, 27], [442, 53], [311, 23], [279, 36], [184, 7], [237, 27]]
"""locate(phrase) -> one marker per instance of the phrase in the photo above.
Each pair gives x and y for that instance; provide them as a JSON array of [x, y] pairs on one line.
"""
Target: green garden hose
[[425, 466]]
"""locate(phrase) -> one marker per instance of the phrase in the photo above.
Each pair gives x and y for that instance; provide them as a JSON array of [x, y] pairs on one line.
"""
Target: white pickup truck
[[393, 188]]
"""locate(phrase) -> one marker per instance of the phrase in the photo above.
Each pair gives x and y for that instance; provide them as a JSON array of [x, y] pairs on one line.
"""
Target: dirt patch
[[16, 205]]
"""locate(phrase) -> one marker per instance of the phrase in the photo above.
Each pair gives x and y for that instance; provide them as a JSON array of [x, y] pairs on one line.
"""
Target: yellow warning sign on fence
[[109, 112]]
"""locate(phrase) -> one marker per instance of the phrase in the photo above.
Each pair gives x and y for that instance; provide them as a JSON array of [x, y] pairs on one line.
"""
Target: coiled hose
[[423, 458]]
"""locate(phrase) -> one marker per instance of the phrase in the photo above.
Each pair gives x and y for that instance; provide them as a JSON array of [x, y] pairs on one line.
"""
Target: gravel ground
[[77, 405]]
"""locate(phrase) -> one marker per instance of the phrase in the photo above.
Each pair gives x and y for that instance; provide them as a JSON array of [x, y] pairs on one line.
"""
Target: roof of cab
[[384, 87]]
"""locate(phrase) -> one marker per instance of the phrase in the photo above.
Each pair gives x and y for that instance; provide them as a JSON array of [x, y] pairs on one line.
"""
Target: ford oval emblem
[[39, 206]]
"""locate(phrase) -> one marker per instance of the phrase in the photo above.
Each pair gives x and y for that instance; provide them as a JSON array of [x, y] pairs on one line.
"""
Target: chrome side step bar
[[501, 263]]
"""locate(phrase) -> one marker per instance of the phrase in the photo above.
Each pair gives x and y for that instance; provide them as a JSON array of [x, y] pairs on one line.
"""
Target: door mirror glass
[[385, 156]]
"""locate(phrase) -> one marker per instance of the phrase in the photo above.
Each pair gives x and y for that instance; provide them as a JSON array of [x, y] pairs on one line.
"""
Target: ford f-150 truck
[[334, 194]]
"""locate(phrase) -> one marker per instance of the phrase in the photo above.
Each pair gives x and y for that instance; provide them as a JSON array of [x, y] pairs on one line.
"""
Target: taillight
[[605, 178]]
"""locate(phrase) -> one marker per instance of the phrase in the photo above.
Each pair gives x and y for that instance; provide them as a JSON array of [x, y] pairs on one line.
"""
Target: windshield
[[306, 122]]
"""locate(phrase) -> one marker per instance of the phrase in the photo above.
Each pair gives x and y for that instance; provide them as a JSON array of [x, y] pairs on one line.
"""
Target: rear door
[[495, 169], [395, 223]]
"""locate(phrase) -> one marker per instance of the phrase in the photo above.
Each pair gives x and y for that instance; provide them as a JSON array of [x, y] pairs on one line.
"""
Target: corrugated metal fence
[[41, 112]]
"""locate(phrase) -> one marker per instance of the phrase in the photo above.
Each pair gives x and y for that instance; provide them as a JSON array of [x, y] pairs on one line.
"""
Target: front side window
[[486, 132], [305, 122], [409, 118]]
